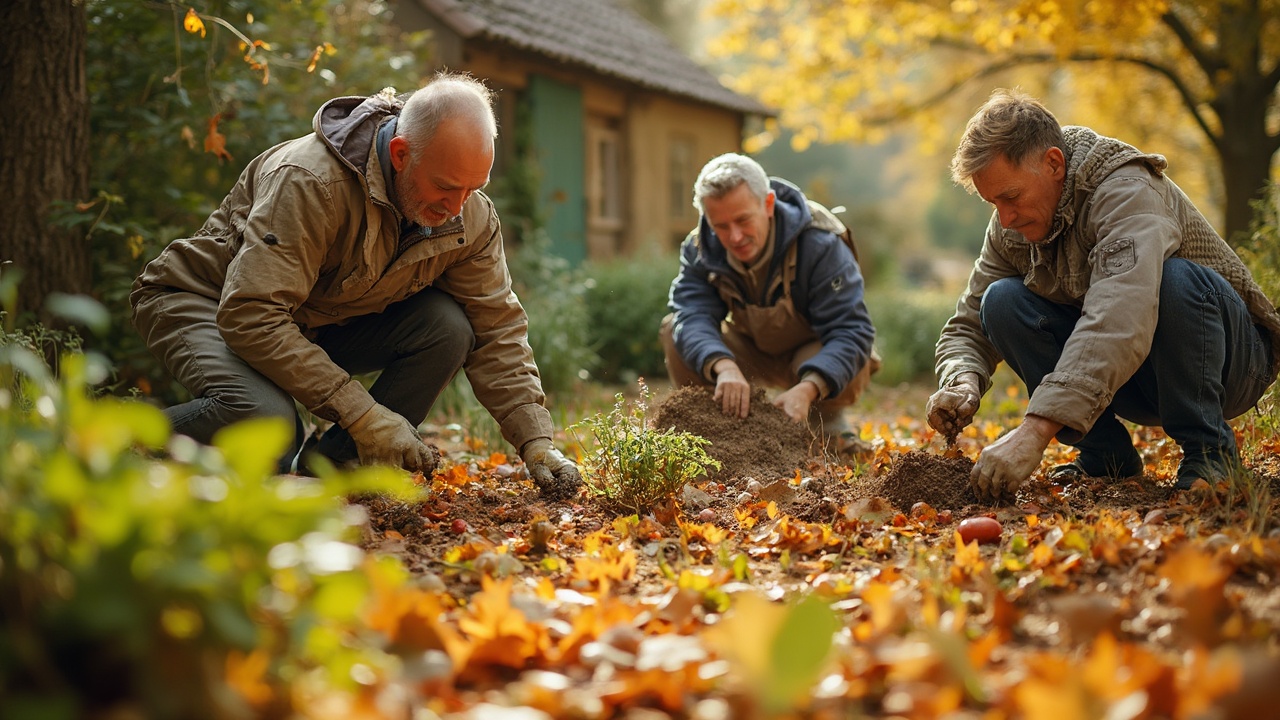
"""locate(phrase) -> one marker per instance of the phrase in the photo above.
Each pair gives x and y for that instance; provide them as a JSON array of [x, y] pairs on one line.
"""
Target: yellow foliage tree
[[845, 69]]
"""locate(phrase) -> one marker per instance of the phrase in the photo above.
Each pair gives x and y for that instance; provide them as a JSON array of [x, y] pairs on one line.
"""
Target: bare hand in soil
[[951, 409], [553, 474], [733, 392], [796, 400], [1005, 465]]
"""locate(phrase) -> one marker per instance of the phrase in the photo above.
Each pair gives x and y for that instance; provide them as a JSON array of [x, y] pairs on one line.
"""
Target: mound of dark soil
[[765, 445], [918, 476]]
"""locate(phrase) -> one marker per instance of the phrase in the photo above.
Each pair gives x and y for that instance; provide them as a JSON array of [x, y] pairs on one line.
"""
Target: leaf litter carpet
[[1096, 599]]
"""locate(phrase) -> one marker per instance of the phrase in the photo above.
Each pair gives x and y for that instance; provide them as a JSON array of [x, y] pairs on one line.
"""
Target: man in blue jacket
[[769, 293]]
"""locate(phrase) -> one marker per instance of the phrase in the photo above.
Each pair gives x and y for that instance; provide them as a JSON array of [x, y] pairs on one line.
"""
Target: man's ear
[[399, 148], [1056, 162], [768, 203]]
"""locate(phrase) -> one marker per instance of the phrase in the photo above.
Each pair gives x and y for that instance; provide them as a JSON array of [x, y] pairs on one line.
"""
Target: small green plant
[[634, 465]]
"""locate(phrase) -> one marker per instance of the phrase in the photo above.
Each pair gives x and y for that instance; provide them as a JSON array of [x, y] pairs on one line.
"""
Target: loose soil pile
[[765, 445], [918, 476]]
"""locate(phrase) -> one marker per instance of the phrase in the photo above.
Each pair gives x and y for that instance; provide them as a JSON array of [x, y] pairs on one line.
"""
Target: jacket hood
[[349, 125]]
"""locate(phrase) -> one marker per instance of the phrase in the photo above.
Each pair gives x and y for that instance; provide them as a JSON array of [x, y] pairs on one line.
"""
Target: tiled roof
[[597, 34]]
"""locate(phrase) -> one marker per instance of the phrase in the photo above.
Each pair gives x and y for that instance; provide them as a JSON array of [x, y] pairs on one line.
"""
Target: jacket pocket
[[1116, 257]]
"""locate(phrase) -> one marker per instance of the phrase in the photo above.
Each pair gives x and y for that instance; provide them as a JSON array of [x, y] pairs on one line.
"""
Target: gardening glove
[[951, 409], [733, 392], [555, 476], [384, 437], [1006, 464]]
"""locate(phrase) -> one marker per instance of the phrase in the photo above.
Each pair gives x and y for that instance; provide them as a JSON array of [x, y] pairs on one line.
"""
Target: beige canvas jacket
[[308, 237], [1118, 220]]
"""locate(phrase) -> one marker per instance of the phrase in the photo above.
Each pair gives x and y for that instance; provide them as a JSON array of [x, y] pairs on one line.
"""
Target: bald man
[[365, 246]]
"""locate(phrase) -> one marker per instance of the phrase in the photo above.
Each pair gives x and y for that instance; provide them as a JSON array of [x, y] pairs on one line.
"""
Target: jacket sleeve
[[835, 309], [962, 345], [1135, 234], [286, 236], [501, 366], [697, 311]]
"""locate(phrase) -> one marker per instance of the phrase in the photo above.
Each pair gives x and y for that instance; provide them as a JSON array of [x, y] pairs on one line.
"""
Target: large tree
[[44, 140], [839, 69]]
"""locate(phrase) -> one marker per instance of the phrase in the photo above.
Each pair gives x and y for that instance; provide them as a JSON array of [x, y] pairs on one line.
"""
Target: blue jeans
[[418, 344], [1208, 363]]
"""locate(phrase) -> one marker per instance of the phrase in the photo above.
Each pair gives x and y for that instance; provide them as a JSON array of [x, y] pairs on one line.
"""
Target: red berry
[[459, 526], [982, 529]]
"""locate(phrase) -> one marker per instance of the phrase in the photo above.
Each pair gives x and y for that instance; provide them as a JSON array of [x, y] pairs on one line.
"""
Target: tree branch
[[1184, 92], [1208, 63]]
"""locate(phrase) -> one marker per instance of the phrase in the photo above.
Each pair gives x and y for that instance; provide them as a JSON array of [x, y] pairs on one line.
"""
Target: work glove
[[384, 437], [1006, 464], [555, 476], [951, 409]]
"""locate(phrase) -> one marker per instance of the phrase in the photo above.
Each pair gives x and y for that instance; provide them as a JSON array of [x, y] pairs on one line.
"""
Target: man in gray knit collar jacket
[[1109, 294]]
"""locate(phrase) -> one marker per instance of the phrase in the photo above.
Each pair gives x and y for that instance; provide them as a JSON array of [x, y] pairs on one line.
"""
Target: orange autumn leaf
[[215, 142], [245, 674], [500, 634], [410, 617]]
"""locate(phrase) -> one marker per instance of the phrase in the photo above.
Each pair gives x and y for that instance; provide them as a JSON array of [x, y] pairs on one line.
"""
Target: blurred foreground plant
[[197, 586], [633, 465]]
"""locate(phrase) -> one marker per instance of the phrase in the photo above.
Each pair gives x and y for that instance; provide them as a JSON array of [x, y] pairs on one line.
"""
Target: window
[[681, 174], [604, 177]]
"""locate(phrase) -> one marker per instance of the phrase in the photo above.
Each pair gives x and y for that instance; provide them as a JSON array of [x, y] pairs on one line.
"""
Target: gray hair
[[1011, 123], [448, 95], [725, 172]]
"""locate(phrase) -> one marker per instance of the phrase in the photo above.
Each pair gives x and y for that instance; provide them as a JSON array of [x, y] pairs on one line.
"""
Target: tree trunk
[[44, 127]]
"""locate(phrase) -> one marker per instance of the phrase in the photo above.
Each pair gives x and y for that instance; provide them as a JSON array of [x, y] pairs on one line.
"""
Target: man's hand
[[1005, 465], [796, 400], [555, 476], [951, 409], [733, 392], [385, 437]]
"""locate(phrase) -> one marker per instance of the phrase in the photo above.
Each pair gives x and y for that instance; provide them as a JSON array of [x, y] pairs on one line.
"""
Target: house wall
[[671, 141], [658, 142]]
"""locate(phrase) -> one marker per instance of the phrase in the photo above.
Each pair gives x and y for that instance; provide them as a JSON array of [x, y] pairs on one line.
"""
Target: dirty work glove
[[951, 409], [384, 437], [1006, 464], [555, 476]]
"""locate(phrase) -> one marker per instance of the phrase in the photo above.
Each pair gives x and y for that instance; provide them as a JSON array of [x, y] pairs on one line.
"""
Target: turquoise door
[[560, 147]]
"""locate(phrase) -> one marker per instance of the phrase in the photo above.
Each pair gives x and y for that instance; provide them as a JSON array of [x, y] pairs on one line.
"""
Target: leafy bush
[[633, 465], [554, 296], [907, 328], [626, 300], [1261, 253], [156, 92], [196, 586]]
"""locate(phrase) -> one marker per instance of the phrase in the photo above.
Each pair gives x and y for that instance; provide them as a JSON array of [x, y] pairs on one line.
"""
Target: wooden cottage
[[615, 121]]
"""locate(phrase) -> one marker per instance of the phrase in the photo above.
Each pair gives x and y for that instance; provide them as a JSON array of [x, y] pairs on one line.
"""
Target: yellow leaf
[[192, 23]]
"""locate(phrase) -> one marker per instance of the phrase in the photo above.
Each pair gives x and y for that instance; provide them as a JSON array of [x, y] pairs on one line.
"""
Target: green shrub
[[196, 586], [907, 327], [626, 300], [1261, 253], [633, 466], [554, 296]]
